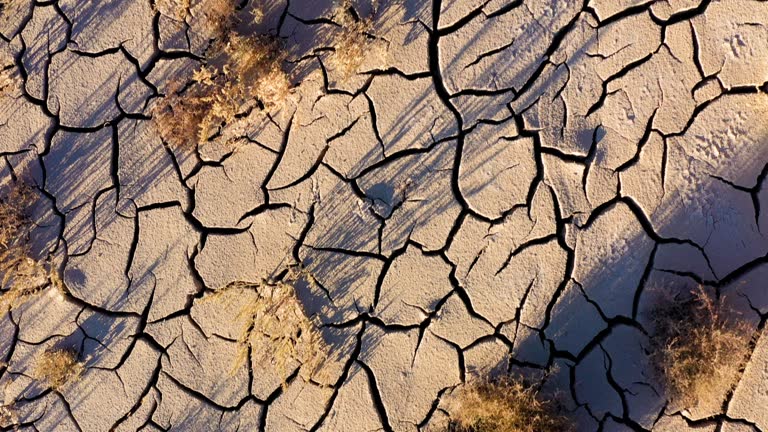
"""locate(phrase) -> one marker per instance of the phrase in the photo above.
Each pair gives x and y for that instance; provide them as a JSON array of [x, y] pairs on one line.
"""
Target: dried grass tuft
[[176, 9], [8, 416], [277, 330], [699, 348], [10, 81], [219, 17], [178, 117], [352, 43], [20, 275], [14, 220], [257, 13], [58, 367], [505, 405], [256, 63], [191, 113]]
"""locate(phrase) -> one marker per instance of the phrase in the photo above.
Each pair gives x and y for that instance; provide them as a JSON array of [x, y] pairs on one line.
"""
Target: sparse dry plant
[[20, 275], [252, 70], [505, 405], [9, 81], [257, 13], [24, 278], [58, 367], [699, 347], [13, 215], [8, 416], [219, 17], [255, 64], [351, 43], [277, 330], [178, 117], [176, 9]]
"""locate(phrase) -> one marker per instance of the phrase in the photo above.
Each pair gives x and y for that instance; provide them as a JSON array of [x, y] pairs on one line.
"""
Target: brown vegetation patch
[[219, 16], [10, 81], [20, 275], [256, 62], [58, 367], [176, 9], [276, 330], [699, 348], [351, 44], [8, 416], [251, 69], [505, 405]]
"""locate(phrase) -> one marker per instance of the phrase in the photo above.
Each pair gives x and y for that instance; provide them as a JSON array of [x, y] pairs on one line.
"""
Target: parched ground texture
[[504, 185]]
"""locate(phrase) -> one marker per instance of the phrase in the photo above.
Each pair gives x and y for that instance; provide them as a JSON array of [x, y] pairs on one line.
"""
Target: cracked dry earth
[[503, 185]]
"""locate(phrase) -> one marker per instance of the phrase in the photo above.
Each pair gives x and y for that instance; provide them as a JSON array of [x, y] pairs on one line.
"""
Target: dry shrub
[[58, 367], [9, 81], [8, 417], [257, 13], [178, 117], [699, 348], [255, 63], [14, 221], [24, 278], [252, 69], [176, 9], [20, 275], [505, 405], [351, 43], [219, 17], [277, 330]]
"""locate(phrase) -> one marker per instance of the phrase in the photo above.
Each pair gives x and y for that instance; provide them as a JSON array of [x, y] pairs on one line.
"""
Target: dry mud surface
[[502, 186]]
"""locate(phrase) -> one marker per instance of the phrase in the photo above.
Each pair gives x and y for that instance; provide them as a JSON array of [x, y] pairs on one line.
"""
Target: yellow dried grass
[[58, 367], [699, 347], [504, 405]]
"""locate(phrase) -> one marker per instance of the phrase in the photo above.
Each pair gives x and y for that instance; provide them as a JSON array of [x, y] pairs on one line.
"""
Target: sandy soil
[[503, 186]]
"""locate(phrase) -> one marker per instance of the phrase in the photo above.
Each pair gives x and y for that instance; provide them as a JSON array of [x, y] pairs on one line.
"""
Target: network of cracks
[[501, 186]]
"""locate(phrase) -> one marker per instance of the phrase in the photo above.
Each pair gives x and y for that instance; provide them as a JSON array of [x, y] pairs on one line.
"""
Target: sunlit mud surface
[[500, 186]]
